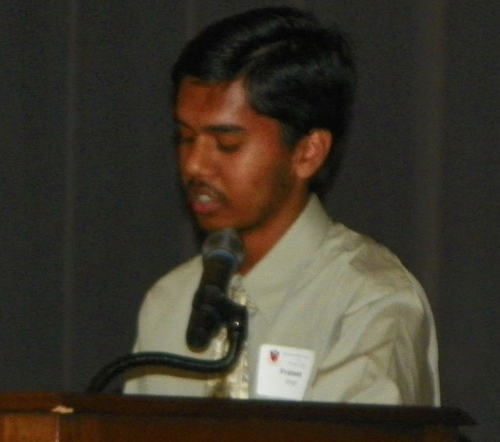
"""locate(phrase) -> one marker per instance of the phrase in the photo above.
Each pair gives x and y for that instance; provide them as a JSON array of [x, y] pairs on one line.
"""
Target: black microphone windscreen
[[226, 240]]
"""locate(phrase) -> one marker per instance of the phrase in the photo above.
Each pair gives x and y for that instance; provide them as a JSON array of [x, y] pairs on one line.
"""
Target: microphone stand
[[234, 318]]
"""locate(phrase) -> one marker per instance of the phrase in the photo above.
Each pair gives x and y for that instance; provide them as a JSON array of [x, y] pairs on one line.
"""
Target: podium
[[51, 417]]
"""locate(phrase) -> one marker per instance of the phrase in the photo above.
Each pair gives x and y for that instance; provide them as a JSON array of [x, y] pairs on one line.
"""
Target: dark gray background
[[91, 212]]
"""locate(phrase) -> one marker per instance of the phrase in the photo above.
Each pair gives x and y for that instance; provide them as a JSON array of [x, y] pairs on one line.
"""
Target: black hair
[[295, 70]]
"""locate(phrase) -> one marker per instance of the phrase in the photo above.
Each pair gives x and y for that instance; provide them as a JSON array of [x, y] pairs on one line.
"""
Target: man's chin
[[209, 226]]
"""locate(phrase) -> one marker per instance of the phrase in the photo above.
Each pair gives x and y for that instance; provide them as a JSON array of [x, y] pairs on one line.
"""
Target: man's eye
[[184, 141], [228, 148], [183, 137], [229, 143]]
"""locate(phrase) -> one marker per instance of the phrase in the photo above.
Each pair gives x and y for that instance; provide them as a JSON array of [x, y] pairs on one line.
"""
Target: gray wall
[[91, 212]]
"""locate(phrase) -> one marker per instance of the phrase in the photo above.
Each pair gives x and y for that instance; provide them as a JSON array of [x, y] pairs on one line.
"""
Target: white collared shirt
[[322, 288]]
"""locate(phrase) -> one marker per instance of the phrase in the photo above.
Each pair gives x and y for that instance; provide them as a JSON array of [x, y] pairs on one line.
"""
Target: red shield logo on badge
[[274, 356]]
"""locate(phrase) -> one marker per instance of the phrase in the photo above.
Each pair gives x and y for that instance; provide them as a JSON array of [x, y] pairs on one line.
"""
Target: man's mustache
[[195, 187]]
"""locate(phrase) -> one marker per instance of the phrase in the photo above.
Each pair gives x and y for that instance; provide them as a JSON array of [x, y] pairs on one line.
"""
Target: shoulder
[[368, 271], [172, 290], [186, 274]]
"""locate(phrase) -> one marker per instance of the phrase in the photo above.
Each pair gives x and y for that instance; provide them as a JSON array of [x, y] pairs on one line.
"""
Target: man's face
[[233, 164]]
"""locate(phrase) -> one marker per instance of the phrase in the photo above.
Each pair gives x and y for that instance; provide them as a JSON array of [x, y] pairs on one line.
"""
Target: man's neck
[[258, 243]]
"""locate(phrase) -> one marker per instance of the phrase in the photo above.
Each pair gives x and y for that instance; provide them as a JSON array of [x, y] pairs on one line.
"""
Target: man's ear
[[311, 153]]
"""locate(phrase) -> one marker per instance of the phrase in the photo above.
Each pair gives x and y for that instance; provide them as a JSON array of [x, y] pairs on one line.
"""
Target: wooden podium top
[[105, 417], [160, 405]]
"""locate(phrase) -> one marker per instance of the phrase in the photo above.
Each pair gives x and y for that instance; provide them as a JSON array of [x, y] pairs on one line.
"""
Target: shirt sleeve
[[381, 355]]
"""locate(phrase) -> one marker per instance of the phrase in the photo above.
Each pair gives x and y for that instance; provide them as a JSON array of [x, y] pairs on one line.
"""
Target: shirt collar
[[269, 282]]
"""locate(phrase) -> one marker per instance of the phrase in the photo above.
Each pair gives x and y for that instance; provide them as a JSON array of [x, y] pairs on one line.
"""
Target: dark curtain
[[92, 214]]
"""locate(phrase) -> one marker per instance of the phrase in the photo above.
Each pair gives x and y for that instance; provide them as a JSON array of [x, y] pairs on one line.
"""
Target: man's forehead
[[212, 104], [194, 90]]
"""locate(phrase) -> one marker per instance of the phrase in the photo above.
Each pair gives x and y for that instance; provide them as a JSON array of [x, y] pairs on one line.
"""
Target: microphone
[[223, 252]]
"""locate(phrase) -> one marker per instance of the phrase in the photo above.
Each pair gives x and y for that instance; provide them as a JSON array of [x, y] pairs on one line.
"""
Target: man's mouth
[[204, 198]]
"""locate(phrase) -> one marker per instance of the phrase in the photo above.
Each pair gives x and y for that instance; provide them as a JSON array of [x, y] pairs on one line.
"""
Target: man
[[261, 101]]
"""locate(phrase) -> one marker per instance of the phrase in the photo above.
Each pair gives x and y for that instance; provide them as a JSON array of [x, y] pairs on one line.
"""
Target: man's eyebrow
[[215, 128], [224, 129]]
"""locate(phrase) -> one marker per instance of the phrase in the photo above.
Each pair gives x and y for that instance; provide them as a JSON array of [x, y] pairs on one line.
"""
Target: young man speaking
[[262, 100]]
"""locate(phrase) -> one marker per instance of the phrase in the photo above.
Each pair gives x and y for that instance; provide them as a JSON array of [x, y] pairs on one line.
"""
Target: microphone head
[[224, 242], [223, 253]]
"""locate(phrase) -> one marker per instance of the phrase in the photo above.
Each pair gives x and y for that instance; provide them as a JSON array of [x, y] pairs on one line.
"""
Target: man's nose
[[197, 159]]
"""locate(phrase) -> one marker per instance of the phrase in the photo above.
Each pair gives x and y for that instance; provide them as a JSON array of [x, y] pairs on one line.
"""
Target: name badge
[[283, 372]]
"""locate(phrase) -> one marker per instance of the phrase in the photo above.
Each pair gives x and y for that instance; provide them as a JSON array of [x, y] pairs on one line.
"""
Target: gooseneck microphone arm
[[235, 318], [212, 309]]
